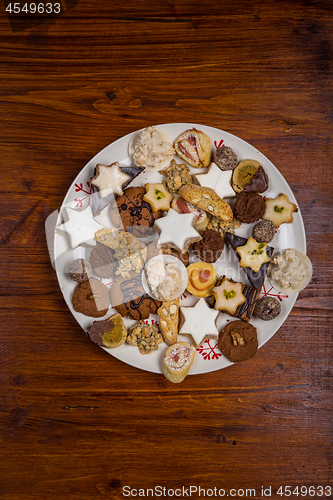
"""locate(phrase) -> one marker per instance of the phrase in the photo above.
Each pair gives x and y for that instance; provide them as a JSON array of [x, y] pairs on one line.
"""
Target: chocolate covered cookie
[[79, 270], [91, 298], [129, 298], [238, 341], [131, 212], [109, 332], [103, 261]]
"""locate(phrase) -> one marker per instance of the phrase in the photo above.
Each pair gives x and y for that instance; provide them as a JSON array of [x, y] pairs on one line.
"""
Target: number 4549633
[[305, 491], [33, 8]]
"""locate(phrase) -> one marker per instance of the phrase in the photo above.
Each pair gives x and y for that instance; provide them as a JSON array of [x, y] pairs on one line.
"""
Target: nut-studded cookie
[[238, 341], [131, 212], [146, 337]]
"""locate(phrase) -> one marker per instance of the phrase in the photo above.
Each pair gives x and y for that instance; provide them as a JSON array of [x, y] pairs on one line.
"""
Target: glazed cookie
[[109, 179], [198, 322], [185, 207], [249, 207], [103, 261], [201, 279], [169, 316], [132, 212], [129, 298], [99, 202], [91, 298], [279, 210], [225, 158], [177, 231], [256, 278], [146, 337], [208, 200], [238, 341], [218, 180], [177, 361], [79, 270], [109, 332], [228, 296], [80, 226], [157, 196], [176, 176], [249, 176], [210, 247], [194, 147], [245, 309]]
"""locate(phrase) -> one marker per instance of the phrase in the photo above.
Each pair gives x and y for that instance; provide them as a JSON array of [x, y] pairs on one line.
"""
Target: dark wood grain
[[75, 422]]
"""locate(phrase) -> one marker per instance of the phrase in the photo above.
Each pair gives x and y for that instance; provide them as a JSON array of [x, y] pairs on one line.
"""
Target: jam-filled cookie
[[194, 147], [201, 279], [177, 361]]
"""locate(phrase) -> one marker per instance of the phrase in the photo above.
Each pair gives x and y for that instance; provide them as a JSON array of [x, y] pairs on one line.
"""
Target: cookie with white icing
[[199, 322], [218, 180], [177, 231], [80, 226]]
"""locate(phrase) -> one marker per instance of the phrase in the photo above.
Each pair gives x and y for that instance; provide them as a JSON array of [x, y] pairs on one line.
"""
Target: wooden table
[[77, 423]]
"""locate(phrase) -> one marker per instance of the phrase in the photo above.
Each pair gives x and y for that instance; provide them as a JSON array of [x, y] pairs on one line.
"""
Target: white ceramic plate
[[208, 357]]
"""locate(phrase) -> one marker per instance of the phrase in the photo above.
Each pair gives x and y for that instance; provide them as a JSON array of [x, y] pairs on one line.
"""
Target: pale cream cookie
[[157, 196], [199, 322], [279, 210]]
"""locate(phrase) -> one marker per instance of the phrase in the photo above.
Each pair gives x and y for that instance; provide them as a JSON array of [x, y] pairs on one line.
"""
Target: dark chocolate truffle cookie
[[210, 247], [249, 207], [263, 231], [267, 308], [91, 298], [225, 158], [238, 341], [129, 298], [132, 213]]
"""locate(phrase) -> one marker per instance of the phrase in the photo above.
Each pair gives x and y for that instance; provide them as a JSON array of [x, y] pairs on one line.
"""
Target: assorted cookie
[[132, 213], [91, 298], [190, 218], [194, 147], [177, 361], [109, 332], [201, 279], [279, 210], [238, 341]]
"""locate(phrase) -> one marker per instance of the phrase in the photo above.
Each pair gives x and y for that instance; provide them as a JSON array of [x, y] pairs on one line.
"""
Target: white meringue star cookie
[[217, 179], [109, 179], [176, 230], [80, 226], [199, 322]]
